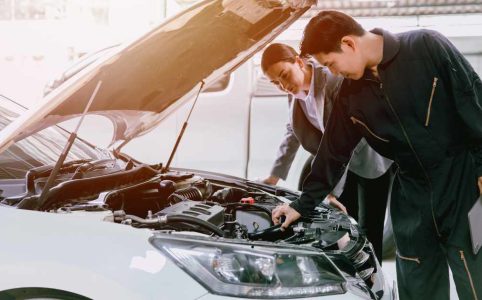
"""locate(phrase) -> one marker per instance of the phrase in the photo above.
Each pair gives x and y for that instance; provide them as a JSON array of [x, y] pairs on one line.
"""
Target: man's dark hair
[[275, 53], [324, 32]]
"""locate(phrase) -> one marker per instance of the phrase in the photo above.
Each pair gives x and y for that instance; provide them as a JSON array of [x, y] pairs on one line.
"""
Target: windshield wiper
[[184, 126], [58, 165]]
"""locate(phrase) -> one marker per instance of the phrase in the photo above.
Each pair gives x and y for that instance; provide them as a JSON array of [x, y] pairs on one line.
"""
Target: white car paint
[[87, 256]]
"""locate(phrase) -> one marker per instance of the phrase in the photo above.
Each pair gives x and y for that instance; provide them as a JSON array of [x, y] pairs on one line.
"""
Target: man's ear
[[348, 41]]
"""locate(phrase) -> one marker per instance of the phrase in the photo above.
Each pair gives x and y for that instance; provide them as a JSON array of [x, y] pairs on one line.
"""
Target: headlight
[[253, 270]]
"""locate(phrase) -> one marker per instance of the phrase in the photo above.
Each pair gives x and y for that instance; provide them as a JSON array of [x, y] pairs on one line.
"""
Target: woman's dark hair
[[324, 32], [275, 53]]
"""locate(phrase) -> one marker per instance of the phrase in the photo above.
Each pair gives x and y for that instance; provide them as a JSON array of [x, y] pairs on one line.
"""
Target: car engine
[[209, 204]]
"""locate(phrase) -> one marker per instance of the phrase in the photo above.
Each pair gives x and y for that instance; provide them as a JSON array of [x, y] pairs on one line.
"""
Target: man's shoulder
[[416, 33], [419, 37]]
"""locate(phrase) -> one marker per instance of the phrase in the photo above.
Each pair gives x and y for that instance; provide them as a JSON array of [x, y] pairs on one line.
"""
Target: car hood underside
[[140, 82]]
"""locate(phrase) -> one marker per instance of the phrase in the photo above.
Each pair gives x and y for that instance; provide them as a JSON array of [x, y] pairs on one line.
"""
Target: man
[[314, 88], [416, 100]]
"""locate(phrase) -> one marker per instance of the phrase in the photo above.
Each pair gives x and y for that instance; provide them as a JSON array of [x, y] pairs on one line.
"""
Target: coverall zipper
[[387, 99], [462, 257], [429, 109], [355, 120]]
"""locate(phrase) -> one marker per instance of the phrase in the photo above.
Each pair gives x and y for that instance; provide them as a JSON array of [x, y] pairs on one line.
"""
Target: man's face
[[347, 62], [287, 76]]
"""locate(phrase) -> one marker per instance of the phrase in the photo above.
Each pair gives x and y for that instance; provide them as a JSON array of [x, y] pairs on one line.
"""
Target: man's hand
[[290, 214], [480, 185], [271, 180], [335, 203]]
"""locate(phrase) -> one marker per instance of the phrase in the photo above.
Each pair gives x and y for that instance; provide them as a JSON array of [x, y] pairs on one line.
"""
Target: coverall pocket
[[409, 258], [356, 121]]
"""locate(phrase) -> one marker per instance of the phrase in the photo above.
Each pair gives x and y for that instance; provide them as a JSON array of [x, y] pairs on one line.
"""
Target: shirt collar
[[312, 84]]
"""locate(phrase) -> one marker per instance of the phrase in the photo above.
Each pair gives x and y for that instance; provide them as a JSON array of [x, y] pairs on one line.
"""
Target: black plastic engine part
[[44, 171], [177, 176], [140, 199], [166, 188], [230, 194], [254, 220], [197, 192], [205, 211], [85, 167], [87, 188], [271, 234]]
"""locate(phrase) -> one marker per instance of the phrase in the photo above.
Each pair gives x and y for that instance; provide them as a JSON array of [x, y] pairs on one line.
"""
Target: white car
[[80, 222]]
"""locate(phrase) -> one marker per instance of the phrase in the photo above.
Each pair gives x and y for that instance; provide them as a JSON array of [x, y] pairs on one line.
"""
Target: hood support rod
[[166, 168], [63, 155]]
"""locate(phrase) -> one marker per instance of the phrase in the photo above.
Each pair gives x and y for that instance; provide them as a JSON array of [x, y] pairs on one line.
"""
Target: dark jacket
[[425, 109], [365, 162]]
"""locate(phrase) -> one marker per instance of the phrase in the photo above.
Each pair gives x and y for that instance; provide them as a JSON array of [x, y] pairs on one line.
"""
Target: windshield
[[41, 148]]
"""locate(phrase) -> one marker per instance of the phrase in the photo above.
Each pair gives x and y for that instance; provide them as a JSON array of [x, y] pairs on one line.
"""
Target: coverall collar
[[391, 45]]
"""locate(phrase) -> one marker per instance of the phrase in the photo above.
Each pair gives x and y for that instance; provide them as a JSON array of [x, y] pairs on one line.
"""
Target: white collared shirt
[[313, 110]]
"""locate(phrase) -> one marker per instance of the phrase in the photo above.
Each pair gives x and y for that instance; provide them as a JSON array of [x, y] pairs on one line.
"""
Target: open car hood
[[142, 81]]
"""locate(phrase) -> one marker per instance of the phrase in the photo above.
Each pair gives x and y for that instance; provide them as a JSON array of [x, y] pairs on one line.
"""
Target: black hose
[[177, 218], [188, 219], [272, 234], [137, 219]]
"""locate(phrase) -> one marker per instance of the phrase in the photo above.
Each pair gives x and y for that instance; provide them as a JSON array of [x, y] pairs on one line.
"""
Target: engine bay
[[209, 204]]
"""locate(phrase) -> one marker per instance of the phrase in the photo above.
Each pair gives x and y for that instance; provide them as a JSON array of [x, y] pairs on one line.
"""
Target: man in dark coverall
[[417, 101]]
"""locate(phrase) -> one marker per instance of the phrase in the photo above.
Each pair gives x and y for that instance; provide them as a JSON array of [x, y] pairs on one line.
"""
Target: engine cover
[[206, 211]]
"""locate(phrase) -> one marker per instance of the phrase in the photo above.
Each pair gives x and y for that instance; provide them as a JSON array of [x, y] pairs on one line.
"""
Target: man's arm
[[333, 154], [330, 162], [467, 88]]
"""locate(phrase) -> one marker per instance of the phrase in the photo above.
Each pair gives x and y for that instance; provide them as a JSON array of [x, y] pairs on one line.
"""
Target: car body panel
[[83, 254]]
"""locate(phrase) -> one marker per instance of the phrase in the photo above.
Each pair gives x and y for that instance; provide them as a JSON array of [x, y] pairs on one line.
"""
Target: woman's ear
[[300, 62]]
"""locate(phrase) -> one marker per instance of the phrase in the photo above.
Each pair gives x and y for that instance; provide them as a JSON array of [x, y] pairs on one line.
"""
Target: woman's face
[[287, 76]]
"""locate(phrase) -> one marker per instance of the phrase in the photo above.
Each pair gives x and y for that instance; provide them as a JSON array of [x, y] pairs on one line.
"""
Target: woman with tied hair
[[312, 89]]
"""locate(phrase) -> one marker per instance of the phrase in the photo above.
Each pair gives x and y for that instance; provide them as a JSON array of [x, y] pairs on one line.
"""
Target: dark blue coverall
[[425, 113]]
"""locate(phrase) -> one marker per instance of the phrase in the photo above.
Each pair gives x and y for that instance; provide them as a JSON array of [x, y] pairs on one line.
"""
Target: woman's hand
[[271, 180], [337, 204]]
